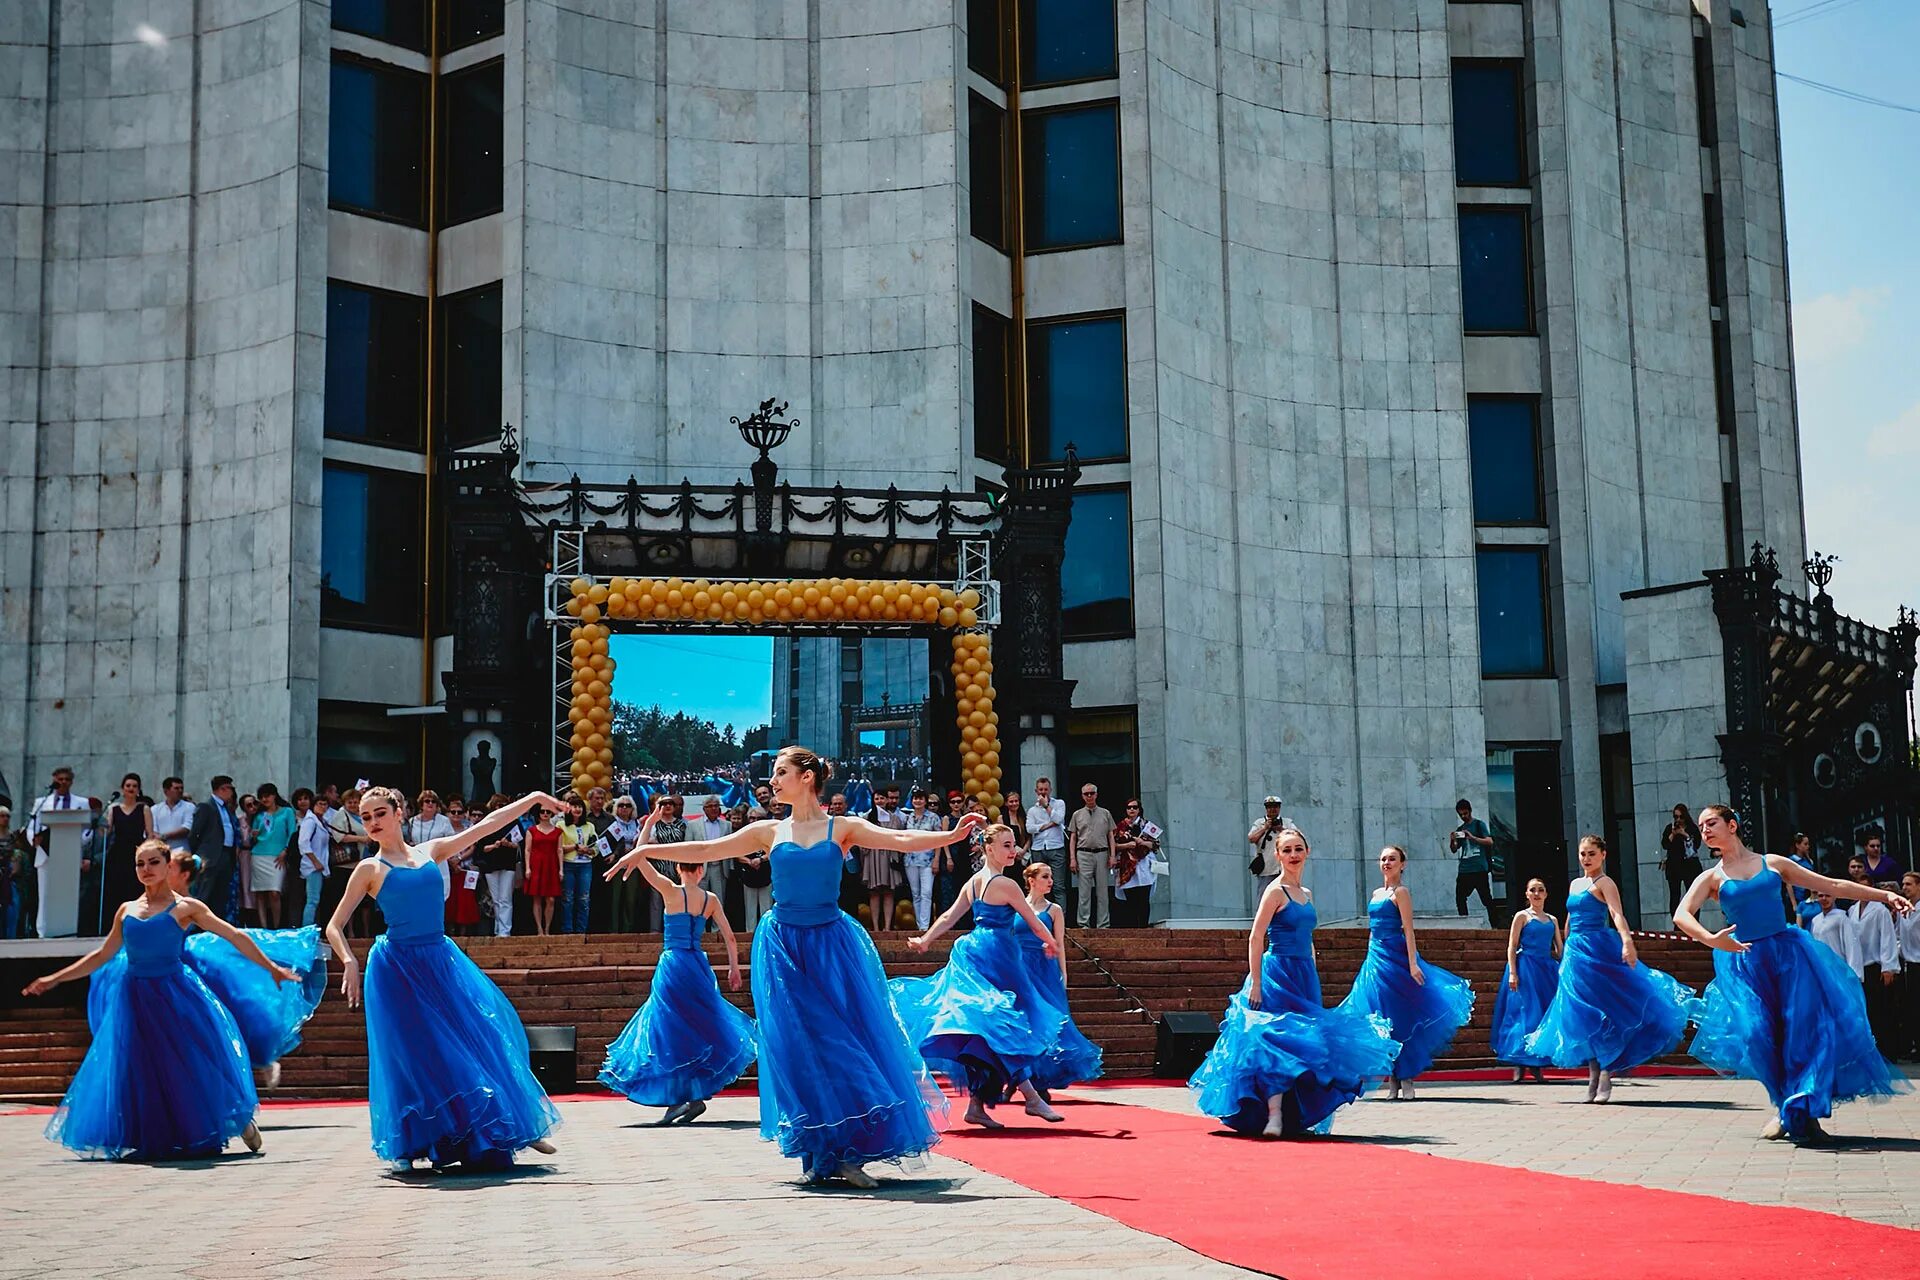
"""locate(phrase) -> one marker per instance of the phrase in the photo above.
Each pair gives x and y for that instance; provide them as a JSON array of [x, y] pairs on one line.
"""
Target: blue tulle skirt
[[1071, 1057], [1789, 1013], [1317, 1059], [840, 1082], [1517, 1012], [686, 1043], [166, 1078], [1607, 1013], [448, 1078], [981, 1020], [269, 1014], [1424, 1018]]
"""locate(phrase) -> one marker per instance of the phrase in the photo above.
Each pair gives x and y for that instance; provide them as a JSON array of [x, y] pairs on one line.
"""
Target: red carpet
[[1337, 1209]]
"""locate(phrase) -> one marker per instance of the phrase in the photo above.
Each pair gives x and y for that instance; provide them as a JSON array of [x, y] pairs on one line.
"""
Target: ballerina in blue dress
[[448, 1078], [1610, 1012], [1782, 1008], [686, 1043], [167, 1075], [1425, 1004], [1072, 1058], [983, 1021], [840, 1083], [1527, 987], [1284, 1062]]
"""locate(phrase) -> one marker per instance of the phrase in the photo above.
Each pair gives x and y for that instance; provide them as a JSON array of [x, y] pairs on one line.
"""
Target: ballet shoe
[[977, 1114], [268, 1077], [251, 1136], [690, 1112], [1393, 1089], [1774, 1131], [674, 1112], [1811, 1134], [1603, 1088], [1406, 1091], [544, 1147], [1519, 1074], [856, 1176], [399, 1166]]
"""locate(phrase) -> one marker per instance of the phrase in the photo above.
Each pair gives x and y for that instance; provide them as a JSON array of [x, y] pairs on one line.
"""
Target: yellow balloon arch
[[724, 604]]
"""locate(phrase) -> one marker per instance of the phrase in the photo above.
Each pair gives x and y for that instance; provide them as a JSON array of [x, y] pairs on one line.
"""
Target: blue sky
[[725, 679], [1853, 193]]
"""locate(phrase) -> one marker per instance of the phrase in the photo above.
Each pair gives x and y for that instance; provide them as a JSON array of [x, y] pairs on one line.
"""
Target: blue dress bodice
[[1754, 906], [806, 879], [996, 915], [682, 929], [1027, 937], [1587, 913], [1383, 918], [155, 946], [1536, 938], [1290, 931], [413, 899]]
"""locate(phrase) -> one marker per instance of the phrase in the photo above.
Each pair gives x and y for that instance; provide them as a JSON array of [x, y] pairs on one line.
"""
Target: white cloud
[[1897, 438], [1830, 324]]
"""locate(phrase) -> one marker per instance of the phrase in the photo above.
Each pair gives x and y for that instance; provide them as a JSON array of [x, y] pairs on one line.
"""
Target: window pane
[[1494, 293], [992, 335], [401, 22], [1489, 147], [1073, 177], [1096, 575], [987, 171], [470, 160], [469, 372], [465, 22], [1101, 749], [1513, 611], [370, 548], [377, 141], [1504, 443], [1063, 40], [986, 39], [1077, 388], [376, 342]]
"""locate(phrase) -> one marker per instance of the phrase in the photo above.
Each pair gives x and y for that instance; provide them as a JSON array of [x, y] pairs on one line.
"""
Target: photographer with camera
[[1472, 843], [1265, 838]]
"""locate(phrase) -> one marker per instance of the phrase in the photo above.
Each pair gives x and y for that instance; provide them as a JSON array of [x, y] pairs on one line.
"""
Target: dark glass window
[[370, 532], [1513, 611], [1503, 439], [987, 171], [377, 141], [469, 372], [1096, 572], [1496, 294], [992, 343], [1489, 137], [401, 22], [470, 160], [987, 39], [465, 22], [1062, 41], [1072, 176], [376, 362], [1077, 388], [1103, 748]]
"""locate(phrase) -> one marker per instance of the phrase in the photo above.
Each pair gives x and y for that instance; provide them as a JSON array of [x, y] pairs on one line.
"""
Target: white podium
[[60, 878]]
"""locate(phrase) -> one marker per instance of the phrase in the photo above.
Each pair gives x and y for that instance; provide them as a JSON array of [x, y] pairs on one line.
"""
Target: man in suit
[[214, 836]]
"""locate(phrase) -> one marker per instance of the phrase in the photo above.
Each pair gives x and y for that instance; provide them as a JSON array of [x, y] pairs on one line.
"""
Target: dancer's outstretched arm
[[199, 913], [1793, 873], [961, 902], [865, 835], [755, 837], [447, 846], [85, 965]]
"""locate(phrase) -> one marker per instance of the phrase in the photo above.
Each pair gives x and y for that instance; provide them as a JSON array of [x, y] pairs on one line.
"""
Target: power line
[[1818, 9], [1851, 95]]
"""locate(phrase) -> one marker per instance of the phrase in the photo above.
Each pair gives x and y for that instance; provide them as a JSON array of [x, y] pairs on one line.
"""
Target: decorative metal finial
[[763, 428], [1819, 569]]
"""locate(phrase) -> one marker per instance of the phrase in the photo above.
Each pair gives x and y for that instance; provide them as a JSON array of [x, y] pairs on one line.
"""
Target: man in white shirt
[[1907, 928], [316, 856], [173, 816], [59, 796], [1264, 836], [1880, 958], [1047, 825], [1837, 929], [711, 825]]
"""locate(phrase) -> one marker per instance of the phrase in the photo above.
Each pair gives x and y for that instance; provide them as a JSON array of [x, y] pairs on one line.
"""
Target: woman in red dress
[[543, 870], [463, 903]]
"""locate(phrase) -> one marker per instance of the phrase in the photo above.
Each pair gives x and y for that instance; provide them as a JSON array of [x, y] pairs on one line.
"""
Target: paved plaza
[[624, 1199]]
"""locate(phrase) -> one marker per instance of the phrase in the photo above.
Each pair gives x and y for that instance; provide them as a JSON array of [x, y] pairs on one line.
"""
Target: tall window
[[1077, 388], [992, 390], [377, 141], [1071, 176], [469, 366], [470, 160], [401, 22], [465, 22], [1096, 572], [1503, 435], [1103, 747], [376, 361], [1489, 133], [1513, 612], [987, 171], [987, 39], [1496, 289], [1063, 41], [370, 546]]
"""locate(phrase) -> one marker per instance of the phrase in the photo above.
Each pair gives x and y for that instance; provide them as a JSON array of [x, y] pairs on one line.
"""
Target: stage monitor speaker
[[550, 1051], [1181, 1042]]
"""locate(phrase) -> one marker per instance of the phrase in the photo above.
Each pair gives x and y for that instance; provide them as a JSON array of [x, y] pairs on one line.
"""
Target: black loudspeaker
[[550, 1051], [1181, 1042]]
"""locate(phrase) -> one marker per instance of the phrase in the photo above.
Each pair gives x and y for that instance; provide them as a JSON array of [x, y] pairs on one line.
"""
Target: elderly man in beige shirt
[[1090, 850]]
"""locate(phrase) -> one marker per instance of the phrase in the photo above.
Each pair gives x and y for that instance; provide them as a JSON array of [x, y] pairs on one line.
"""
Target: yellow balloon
[[583, 754], [579, 586], [970, 759], [606, 756], [576, 605], [963, 706], [973, 786], [590, 613], [701, 600], [596, 740], [782, 596], [675, 597], [970, 598], [597, 594], [968, 618], [989, 755], [977, 718]]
